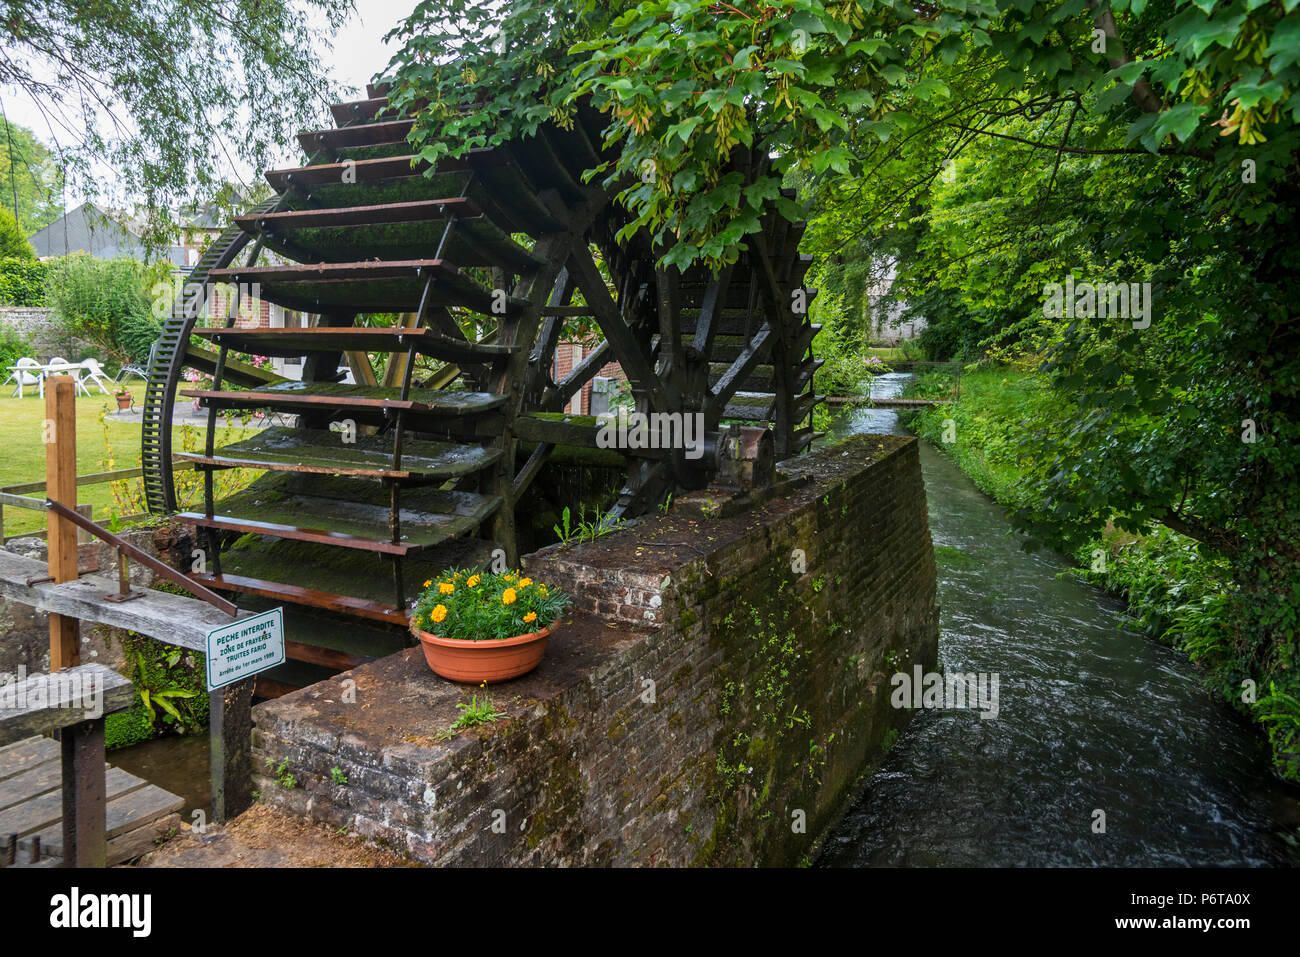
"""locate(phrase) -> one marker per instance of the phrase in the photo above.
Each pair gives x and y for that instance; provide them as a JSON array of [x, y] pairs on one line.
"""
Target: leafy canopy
[[687, 82]]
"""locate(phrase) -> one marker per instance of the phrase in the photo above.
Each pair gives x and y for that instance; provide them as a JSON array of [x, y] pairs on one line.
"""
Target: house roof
[[103, 233]]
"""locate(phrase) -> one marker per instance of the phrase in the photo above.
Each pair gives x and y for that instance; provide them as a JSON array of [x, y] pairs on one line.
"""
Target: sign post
[[236, 654]]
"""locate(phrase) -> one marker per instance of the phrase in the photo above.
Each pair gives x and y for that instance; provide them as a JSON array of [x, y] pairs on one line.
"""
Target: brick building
[[595, 395]]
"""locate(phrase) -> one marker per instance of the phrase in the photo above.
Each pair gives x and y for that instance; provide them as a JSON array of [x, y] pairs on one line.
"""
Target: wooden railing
[[16, 496], [69, 596]]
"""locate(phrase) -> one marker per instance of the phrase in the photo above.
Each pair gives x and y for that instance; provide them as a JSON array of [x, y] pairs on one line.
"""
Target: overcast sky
[[360, 53]]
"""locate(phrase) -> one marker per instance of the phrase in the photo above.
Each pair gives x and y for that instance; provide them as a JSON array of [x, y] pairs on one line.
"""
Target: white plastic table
[[41, 372]]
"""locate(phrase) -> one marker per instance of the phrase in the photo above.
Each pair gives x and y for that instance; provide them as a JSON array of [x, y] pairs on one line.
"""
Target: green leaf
[[929, 88], [788, 67], [168, 706], [807, 22], [893, 73], [1114, 96], [854, 100], [1181, 121]]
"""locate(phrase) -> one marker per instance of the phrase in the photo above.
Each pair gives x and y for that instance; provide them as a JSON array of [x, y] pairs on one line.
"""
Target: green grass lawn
[[103, 445]]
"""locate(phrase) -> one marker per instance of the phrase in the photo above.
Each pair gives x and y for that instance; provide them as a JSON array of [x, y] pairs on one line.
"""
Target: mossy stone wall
[[723, 688]]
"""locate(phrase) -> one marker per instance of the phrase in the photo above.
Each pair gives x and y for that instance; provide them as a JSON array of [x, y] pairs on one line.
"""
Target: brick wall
[[567, 357], [705, 703]]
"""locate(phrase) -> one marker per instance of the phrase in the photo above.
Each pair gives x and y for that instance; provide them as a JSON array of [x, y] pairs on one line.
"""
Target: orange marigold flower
[[446, 588], [428, 583], [439, 612], [531, 616], [525, 582], [508, 596], [472, 581]]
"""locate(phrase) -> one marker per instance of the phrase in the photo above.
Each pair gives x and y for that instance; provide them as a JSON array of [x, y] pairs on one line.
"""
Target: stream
[[1092, 716]]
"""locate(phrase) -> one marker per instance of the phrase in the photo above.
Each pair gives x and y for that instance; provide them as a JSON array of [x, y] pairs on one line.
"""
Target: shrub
[[106, 302], [138, 334], [12, 346], [22, 281], [12, 241]]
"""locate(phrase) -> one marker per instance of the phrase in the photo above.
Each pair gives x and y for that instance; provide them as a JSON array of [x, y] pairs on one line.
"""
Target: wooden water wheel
[[484, 260]]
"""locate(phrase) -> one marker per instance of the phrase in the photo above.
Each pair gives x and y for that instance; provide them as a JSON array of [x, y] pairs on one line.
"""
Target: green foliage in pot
[[484, 606]]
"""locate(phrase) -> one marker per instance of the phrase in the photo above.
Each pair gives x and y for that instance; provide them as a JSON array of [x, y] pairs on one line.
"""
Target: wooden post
[[83, 536], [84, 795], [60, 433], [230, 749]]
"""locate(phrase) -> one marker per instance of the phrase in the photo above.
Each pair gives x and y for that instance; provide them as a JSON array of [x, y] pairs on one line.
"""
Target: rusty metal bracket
[[124, 592]]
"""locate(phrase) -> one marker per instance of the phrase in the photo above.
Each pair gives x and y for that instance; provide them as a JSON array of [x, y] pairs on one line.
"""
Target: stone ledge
[[401, 706]]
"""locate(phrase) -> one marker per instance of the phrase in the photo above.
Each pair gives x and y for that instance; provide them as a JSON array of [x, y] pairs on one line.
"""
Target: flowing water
[[1091, 717], [178, 765]]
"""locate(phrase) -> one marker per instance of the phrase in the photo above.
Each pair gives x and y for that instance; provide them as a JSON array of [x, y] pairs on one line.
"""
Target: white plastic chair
[[61, 366], [94, 373], [23, 377]]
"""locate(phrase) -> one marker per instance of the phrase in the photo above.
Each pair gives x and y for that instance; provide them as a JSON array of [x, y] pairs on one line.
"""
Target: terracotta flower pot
[[474, 662], [124, 402]]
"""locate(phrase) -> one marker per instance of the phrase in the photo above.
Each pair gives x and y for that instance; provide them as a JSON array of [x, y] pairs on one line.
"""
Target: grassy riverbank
[[1176, 592]]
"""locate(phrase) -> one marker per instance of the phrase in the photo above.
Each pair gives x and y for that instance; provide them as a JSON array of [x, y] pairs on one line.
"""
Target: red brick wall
[[567, 357], [253, 313]]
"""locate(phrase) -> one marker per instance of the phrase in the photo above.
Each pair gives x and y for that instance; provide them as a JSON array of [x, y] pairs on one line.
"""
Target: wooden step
[[727, 347], [359, 111], [762, 378], [333, 174], [367, 134], [281, 591], [391, 231], [351, 399], [343, 581], [500, 188], [347, 513], [738, 297], [300, 342], [236, 372], [394, 286], [369, 456], [804, 404], [420, 211], [751, 407]]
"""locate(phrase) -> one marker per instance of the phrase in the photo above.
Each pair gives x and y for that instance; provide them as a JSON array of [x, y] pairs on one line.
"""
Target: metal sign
[[245, 648]]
